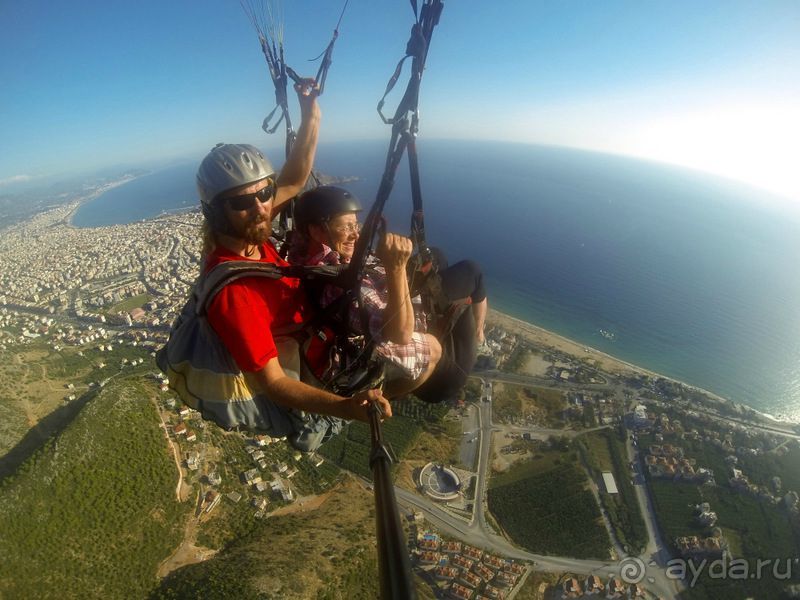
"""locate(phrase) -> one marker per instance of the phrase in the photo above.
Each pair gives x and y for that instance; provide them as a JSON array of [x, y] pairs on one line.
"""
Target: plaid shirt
[[410, 359]]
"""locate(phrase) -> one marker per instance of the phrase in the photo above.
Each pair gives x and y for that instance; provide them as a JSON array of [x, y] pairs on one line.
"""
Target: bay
[[145, 197]]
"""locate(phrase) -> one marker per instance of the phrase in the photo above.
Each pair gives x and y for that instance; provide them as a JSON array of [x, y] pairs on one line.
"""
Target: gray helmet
[[321, 204], [229, 166]]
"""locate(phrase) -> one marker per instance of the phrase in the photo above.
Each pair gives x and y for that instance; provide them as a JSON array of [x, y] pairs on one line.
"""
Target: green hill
[[325, 553], [93, 513]]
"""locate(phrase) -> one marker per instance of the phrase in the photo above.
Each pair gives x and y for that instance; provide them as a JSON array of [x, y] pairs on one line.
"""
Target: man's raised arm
[[298, 166]]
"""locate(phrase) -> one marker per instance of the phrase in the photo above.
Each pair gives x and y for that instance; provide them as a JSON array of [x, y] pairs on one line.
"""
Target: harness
[[336, 359], [270, 38], [394, 564], [424, 278]]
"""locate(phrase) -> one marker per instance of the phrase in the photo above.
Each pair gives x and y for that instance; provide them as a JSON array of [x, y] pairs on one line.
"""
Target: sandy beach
[[538, 335], [605, 362]]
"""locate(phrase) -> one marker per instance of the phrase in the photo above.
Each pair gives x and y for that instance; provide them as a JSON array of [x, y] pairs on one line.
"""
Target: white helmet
[[229, 166]]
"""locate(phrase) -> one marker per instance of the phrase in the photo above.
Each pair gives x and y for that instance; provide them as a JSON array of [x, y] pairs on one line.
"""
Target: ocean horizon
[[676, 271]]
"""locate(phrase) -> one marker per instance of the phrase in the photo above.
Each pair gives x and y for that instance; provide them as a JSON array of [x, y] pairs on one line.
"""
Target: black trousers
[[459, 347]]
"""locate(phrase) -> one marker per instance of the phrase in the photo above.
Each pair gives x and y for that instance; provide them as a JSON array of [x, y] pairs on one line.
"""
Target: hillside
[[328, 552], [93, 512]]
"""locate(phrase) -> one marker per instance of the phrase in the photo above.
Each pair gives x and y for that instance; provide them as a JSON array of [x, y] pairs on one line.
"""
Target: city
[[656, 471]]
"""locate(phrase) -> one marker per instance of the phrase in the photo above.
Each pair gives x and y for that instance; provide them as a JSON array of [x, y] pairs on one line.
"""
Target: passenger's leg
[[465, 280], [479, 310], [401, 386], [461, 280], [459, 353]]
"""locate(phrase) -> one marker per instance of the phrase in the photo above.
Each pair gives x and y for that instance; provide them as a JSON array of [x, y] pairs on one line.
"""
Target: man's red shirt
[[245, 312]]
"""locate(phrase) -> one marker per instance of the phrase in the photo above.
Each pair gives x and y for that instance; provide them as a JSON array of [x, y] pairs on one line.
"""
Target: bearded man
[[240, 196]]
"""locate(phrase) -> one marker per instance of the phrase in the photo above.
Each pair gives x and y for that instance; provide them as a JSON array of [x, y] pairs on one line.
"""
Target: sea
[[680, 272]]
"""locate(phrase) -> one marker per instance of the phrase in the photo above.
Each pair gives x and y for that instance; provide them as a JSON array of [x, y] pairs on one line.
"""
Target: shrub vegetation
[[351, 449], [605, 451], [93, 512], [551, 512]]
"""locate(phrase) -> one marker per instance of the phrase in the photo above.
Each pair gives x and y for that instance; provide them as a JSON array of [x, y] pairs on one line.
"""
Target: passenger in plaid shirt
[[328, 223]]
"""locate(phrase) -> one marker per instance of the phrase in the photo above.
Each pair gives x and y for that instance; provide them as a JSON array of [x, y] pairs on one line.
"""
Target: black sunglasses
[[245, 201]]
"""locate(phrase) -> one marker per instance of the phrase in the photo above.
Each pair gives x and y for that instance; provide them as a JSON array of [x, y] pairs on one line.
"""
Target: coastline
[[606, 362], [81, 200], [545, 337]]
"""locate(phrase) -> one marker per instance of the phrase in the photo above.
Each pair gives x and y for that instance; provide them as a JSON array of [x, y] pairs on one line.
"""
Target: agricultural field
[[545, 506], [673, 503], [605, 451], [412, 418]]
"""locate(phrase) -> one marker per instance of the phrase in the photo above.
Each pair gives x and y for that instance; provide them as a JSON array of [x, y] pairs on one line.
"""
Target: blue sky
[[711, 85]]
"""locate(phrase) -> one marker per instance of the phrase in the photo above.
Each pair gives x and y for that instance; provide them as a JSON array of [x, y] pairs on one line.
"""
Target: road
[[616, 386], [656, 550], [473, 535], [777, 430], [503, 377], [477, 531], [651, 563]]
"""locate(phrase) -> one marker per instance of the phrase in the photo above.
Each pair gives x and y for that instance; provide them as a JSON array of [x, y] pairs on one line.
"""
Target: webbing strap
[[211, 283], [280, 73], [405, 125], [327, 55]]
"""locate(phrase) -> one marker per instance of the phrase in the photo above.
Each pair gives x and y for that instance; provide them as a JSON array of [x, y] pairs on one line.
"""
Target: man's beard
[[255, 233]]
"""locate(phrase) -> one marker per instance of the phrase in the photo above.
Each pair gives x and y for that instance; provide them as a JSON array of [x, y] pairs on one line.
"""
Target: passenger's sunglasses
[[246, 201]]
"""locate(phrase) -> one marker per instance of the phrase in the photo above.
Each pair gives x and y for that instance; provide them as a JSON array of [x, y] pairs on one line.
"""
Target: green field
[[754, 530], [549, 510], [541, 462], [761, 469], [605, 451], [129, 304], [674, 503], [351, 449], [762, 528], [596, 447]]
